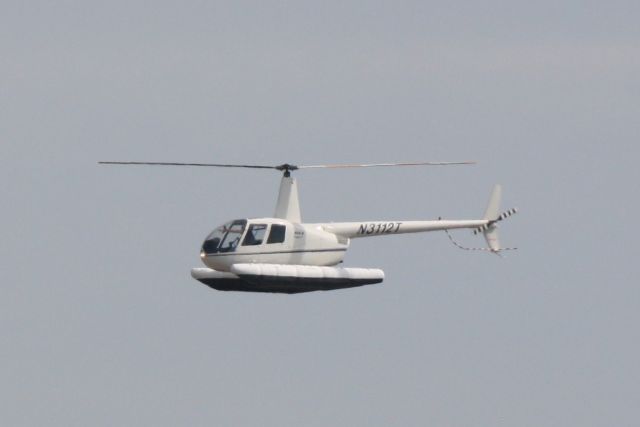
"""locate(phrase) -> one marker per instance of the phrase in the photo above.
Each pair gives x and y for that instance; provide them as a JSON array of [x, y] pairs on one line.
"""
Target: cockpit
[[229, 236], [225, 238]]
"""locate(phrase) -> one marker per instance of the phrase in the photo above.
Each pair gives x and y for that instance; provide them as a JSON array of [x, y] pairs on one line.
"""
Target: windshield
[[225, 238]]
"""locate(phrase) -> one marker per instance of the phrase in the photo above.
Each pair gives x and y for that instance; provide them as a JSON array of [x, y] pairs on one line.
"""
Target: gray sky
[[100, 321]]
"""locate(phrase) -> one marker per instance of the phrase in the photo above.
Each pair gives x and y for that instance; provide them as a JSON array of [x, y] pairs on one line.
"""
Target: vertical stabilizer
[[493, 208], [288, 206]]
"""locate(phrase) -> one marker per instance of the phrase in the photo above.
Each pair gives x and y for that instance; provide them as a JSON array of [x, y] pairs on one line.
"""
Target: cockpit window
[[277, 233], [225, 238], [231, 240], [255, 235]]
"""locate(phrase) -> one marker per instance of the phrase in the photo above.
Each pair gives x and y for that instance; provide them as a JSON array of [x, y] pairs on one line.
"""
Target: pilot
[[249, 239]]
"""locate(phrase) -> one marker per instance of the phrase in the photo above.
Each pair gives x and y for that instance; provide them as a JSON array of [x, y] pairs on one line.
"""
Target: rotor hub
[[286, 167]]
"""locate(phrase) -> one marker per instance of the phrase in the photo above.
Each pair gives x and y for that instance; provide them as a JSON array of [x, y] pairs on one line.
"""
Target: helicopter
[[281, 254]]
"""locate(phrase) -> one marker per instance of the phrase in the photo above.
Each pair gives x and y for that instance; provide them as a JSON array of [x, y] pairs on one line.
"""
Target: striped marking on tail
[[501, 217]]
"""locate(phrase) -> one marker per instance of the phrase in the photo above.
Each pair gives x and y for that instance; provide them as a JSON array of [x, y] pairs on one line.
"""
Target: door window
[[255, 235], [277, 233]]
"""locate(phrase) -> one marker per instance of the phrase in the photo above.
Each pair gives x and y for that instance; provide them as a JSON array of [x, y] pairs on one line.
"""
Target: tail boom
[[488, 226], [382, 228]]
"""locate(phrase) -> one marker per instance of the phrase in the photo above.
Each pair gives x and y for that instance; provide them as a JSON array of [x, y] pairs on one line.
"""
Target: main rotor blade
[[373, 165], [289, 167], [189, 164]]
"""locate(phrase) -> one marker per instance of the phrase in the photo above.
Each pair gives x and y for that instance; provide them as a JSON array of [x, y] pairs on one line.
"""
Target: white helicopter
[[283, 255]]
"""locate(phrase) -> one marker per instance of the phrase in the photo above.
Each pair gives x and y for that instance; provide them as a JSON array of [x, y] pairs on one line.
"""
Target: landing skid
[[277, 282]]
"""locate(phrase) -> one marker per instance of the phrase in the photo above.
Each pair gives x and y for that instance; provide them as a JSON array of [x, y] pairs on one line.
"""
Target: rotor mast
[[288, 205]]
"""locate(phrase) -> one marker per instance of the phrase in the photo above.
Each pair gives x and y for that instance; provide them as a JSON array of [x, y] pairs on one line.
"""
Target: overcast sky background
[[100, 321]]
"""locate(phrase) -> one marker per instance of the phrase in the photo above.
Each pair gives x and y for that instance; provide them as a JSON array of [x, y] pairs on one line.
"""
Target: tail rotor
[[490, 229]]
